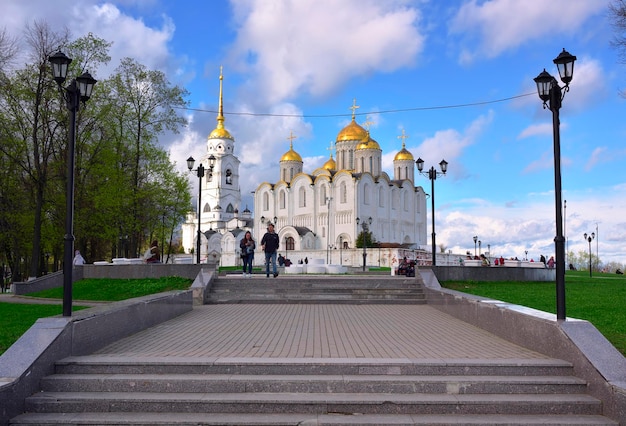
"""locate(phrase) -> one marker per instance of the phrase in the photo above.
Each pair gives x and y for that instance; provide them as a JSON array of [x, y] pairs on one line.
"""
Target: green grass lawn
[[600, 299], [105, 289], [17, 317]]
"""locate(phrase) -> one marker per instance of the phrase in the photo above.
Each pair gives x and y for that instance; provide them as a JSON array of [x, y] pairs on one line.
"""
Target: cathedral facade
[[314, 213], [330, 207]]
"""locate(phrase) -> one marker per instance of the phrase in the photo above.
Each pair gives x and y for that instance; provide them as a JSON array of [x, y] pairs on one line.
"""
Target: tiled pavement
[[301, 331]]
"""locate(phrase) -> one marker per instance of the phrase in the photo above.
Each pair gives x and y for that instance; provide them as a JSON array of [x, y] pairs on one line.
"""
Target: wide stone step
[[335, 419], [96, 364], [232, 383], [319, 403]]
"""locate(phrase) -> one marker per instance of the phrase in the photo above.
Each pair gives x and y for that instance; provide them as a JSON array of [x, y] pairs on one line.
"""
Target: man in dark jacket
[[269, 244]]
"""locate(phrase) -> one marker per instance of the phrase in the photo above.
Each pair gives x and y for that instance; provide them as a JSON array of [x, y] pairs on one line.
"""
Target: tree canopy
[[127, 191]]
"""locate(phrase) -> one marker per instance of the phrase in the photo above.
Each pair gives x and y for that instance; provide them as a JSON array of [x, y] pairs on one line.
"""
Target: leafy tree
[[367, 237], [125, 184], [144, 107]]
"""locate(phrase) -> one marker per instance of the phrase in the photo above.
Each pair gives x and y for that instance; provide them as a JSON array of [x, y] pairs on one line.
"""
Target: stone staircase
[[318, 289], [137, 390], [95, 390]]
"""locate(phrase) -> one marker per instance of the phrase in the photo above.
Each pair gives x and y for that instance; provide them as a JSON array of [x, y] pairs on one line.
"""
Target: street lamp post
[[78, 90], [552, 96], [340, 250], [365, 226], [200, 173], [526, 252], [475, 240], [589, 238], [479, 247], [432, 175]]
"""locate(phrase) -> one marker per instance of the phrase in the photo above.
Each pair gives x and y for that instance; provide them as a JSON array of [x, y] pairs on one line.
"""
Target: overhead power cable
[[349, 114]]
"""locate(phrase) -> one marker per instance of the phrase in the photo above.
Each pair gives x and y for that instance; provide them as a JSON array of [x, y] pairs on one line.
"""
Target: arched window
[[207, 208], [366, 194], [230, 208], [362, 165], [395, 199], [281, 198], [291, 173], [285, 175], [322, 195], [266, 201], [371, 165], [343, 193], [302, 197], [229, 176], [406, 201], [381, 197], [290, 244]]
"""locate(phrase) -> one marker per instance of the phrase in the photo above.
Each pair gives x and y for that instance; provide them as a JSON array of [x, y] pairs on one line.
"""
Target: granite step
[[309, 419]]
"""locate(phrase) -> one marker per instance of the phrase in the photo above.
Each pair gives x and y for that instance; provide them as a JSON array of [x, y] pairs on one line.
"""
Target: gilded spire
[[220, 132]]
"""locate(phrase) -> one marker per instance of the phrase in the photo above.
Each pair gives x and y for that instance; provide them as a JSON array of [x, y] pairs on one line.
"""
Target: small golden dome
[[330, 164], [291, 155], [367, 143], [220, 133], [352, 132], [404, 154]]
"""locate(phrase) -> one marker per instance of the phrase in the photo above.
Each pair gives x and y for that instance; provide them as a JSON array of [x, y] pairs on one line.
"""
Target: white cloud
[[314, 46], [494, 26], [535, 130]]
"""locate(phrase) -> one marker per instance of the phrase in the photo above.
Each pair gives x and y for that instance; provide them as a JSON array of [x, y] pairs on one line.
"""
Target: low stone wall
[[110, 270], [493, 273], [33, 356], [594, 358]]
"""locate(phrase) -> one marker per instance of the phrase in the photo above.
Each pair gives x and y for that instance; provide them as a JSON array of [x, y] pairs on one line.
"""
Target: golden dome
[[352, 132], [220, 133], [330, 164], [291, 155], [403, 154], [367, 143]]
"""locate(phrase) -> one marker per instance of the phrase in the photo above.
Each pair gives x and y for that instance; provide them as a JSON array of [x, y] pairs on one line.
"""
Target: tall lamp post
[[200, 173], [552, 96], [475, 240], [589, 238], [479, 247], [78, 90], [432, 175], [365, 226]]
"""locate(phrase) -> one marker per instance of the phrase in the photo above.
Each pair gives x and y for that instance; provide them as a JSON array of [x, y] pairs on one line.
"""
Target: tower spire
[[220, 131], [220, 114]]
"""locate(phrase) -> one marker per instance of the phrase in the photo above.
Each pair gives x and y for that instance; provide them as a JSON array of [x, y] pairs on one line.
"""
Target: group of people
[[269, 244]]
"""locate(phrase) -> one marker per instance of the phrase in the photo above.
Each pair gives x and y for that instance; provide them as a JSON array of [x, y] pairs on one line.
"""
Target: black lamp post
[[475, 240], [432, 175], [552, 96], [589, 238], [200, 173], [365, 226], [78, 90], [340, 250]]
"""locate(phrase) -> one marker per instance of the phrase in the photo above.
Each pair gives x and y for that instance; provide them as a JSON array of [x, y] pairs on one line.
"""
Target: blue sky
[[457, 76]]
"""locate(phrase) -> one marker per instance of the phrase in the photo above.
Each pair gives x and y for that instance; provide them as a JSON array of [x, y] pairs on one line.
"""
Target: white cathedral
[[318, 214]]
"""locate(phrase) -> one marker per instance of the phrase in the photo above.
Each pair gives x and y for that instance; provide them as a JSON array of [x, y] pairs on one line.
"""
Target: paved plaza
[[317, 331]]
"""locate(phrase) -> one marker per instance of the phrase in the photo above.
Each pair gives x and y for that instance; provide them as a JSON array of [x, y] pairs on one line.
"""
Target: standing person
[[247, 246], [78, 258], [269, 244], [155, 253]]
